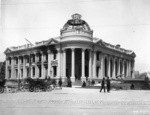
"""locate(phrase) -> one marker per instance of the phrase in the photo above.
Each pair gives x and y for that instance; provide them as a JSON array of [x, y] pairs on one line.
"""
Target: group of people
[[105, 84]]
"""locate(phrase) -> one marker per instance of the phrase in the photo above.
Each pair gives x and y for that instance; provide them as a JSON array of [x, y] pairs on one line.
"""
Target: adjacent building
[[75, 54]]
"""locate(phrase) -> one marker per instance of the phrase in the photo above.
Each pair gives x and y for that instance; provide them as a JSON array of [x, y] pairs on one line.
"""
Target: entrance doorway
[[78, 59]]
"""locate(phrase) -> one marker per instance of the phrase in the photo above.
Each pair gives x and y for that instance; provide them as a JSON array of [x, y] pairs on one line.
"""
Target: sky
[[124, 22]]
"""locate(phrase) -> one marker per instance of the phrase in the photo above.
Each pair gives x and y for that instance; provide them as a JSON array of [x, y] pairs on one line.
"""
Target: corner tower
[[76, 29]]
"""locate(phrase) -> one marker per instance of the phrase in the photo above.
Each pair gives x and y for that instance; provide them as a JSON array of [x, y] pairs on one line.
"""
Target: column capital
[[83, 49], [72, 49], [94, 51], [49, 51], [15, 57], [64, 50], [89, 50], [9, 57], [38, 52], [58, 50]]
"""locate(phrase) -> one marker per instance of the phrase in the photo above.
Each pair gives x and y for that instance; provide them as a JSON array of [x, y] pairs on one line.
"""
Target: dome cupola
[[77, 28]]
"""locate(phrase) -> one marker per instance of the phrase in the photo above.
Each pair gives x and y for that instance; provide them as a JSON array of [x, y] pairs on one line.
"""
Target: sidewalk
[[76, 101]]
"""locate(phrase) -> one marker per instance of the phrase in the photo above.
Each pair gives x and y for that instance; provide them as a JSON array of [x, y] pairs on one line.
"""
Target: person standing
[[108, 84], [103, 85], [60, 82]]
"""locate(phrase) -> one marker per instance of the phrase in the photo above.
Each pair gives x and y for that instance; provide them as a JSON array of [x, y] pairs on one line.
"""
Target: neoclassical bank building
[[75, 54]]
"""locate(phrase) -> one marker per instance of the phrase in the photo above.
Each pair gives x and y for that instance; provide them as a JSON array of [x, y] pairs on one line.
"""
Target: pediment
[[101, 43], [7, 51], [52, 42]]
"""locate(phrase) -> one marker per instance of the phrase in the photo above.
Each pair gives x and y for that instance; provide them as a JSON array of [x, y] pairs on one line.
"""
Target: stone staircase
[[77, 83]]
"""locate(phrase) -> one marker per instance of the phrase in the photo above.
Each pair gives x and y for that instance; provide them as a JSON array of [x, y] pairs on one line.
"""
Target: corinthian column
[[83, 64], [108, 67], [90, 64], [73, 65], [12, 68], [130, 68], [64, 64], [118, 67], [49, 62], [19, 76], [94, 64], [127, 64], [133, 76], [58, 67], [102, 66], [42, 65], [114, 69], [6, 69], [123, 72]]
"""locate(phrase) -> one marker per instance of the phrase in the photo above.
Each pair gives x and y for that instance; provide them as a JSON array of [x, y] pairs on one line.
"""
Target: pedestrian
[[103, 84], [108, 84], [69, 83], [60, 82]]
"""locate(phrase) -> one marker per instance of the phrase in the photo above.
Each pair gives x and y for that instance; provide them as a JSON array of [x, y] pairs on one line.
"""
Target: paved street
[[76, 101]]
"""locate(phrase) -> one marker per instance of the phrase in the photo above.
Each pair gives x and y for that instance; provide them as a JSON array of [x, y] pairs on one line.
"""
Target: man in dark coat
[[108, 84], [103, 85]]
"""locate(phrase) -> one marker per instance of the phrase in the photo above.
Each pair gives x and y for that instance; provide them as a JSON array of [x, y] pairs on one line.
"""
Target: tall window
[[97, 56], [16, 60], [40, 71], [97, 71], [46, 57], [9, 61], [22, 60], [27, 72], [27, 59], [33, 58], [33, 71], [16, 73], [55, 56], [9, 74], [21, 72], [55, 71], [39, 58]]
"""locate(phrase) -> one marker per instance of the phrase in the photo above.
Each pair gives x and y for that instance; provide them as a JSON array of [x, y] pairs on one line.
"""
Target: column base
[[83, 78], [63, 79], [94, 77], [72, 79], [89, 78], [113, 77], [57, 77]]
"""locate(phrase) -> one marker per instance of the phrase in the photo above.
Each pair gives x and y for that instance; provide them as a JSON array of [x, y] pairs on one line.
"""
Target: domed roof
[[76, 23]]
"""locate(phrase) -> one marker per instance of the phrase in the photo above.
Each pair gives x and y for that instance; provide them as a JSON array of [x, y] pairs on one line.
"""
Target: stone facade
[[76, 54]]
